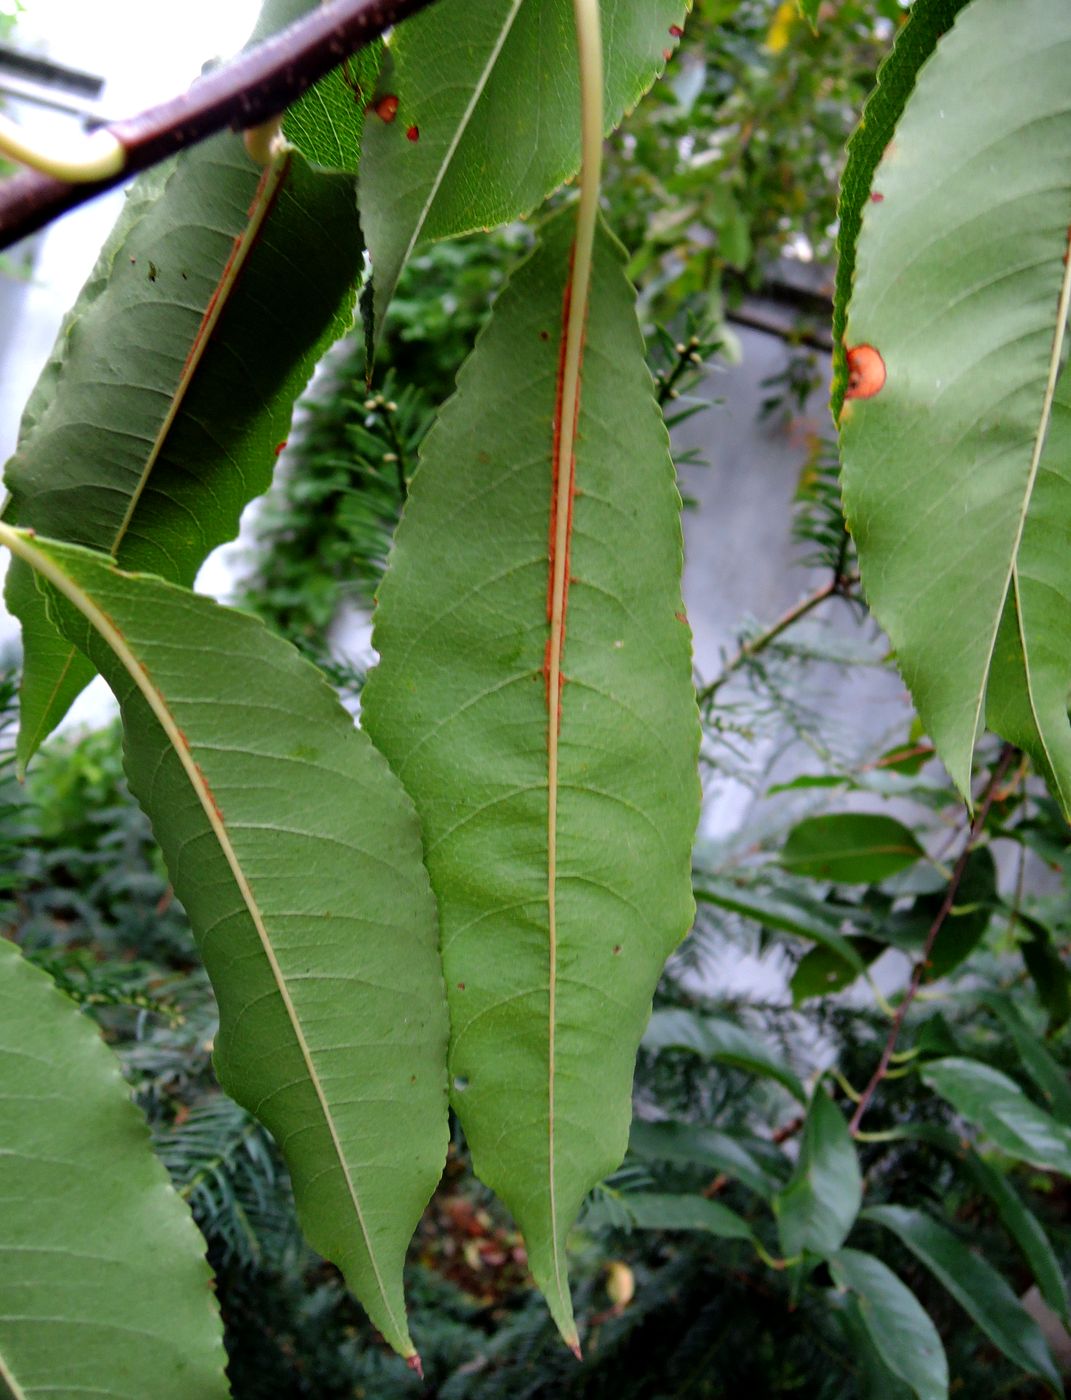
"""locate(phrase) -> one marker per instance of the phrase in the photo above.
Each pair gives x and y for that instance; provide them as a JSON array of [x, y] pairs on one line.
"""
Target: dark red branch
[[254, 87]]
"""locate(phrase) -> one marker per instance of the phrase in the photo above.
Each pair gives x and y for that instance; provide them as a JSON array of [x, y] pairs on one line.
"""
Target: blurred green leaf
[[897, 1324], [818, 1207], [850, 848], [720, 1040], [696, 1144], [995, 1104]]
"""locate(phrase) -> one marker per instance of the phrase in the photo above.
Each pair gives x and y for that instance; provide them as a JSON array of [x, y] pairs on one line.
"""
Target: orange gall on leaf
[[386, 109], [866, 372]]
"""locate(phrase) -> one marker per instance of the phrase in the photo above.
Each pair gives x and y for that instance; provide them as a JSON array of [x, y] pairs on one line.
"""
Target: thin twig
[[974, 833], [837, 586], [254, 87]]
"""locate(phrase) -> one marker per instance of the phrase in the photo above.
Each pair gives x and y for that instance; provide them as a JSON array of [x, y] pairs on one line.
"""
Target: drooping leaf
[[1047, 970], [982, 1293], [815, 922], [926, 22], [297, 856], [955, 453], [172, 381], [652, 1210], [702, 1146], [818, 1207], [1037, 1059], [562, 888], [104, 1287], [479, 115], [857, 848], [896, 1322], [720, 1040], [995, 1104]]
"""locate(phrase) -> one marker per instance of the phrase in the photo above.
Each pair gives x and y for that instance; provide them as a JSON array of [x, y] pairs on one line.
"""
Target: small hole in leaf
[[461, 1083]]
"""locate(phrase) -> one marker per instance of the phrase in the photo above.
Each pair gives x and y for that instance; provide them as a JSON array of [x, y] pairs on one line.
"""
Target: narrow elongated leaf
[[896, 1322], [927, 20], [702, 1146], [980, 1291], [715, 1038], [818, 1207], [858, 848], [997, 1105], [653, 1210], [814, 922], [955, 332], [1052, 981], [173, 379], [481, 100], [1037, 1060], [563, 885], [104, 1287], [297, 856]]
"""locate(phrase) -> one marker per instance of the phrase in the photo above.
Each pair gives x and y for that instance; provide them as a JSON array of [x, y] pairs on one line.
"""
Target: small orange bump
[[676, 30], [386, 108], [681, 617], [667, 54], [280, 447], [413, 134], [877, 197], [866, 372]]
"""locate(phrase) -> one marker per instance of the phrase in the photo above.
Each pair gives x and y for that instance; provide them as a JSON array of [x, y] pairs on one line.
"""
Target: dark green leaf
[[701, 1146], [1051, 979], [818, 1207], [649, 1210], [1038, 1061], [898, 1326], [982, 1293], [995, 1104], [823, 972], [850, 848], [724, 1042], [804, 919]]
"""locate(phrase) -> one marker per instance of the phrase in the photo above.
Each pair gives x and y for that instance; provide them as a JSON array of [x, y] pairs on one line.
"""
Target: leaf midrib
[[19, 545]]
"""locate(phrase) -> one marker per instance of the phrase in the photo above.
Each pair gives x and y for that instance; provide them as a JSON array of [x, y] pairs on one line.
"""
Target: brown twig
[[838, 586], [250, 90], [974, 832]]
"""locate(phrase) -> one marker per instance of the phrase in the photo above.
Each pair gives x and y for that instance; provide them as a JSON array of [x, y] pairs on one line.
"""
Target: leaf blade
[[896, 1322]]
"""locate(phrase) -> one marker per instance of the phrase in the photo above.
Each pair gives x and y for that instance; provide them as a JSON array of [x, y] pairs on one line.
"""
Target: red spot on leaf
[[667, 54], [461, 986], [866, 372], [681, 617], [413, 134], [280, 447], [414, 1363], [676, 30], [386, 109], [877, 197], [617, 949], [544, 335]]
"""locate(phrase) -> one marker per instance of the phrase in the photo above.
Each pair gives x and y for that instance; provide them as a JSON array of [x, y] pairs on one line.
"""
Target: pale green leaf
[[956, 323], [654, 1210], [488, 115], [545, 1027], [896, 1322], [297, 856], [818, 1207], [982, 1293], [718, 1039], [171, 385], [104, 1288], [996, 1105], [926, 21]]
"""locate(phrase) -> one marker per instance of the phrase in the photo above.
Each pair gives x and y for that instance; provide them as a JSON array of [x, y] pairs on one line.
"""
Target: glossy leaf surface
[[954, 449], [818, 1207], [896, 1322], [545, 1020], [997, 1105], [104, 1289], [297, 857], [482, 107]]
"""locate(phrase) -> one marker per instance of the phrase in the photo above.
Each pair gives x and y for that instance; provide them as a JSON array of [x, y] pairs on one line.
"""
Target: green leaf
[[916, 41], [818, 1207], [995, 1104], [171, 385], [823, 972], [803, 919], [850, 848], [491, 90], [1052, 982], [297, 856], [545, 1018], [896, 1322], [954, 497], [651, 1210], [720, 1040], [1038, 1062], [104, 1287], [701, 1146], [326, 124], [982, 1293]]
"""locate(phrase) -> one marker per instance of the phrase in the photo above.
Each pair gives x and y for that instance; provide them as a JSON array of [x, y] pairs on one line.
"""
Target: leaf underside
[[297, 856], [956, 510], [99, 461], [460, 706], [487, 121], [104, 1288]]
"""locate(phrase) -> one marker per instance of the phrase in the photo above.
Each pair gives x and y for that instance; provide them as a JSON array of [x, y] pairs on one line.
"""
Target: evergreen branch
[[247, 92]]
